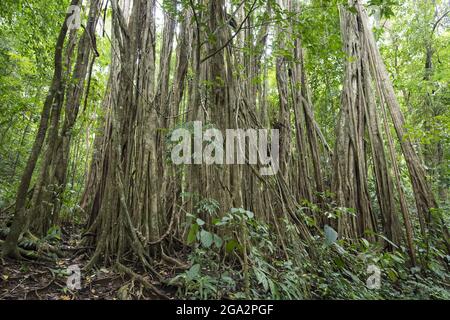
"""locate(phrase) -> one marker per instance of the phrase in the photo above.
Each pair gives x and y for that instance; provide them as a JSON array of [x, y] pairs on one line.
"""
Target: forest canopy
[[225, 149]]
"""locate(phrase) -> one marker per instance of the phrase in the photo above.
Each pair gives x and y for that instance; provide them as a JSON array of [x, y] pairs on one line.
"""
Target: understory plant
[[238, 256]]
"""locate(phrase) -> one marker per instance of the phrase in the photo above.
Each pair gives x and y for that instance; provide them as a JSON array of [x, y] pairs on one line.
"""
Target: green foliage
[[339, 271], [28, 33], [53, 234], [279, 266], [385, 7]]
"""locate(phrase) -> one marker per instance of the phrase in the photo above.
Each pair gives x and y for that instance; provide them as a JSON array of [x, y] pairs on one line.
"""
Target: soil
[[36, 280]]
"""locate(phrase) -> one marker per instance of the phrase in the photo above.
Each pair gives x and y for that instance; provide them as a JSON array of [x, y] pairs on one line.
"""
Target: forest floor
[[30, 280], [37, 280]]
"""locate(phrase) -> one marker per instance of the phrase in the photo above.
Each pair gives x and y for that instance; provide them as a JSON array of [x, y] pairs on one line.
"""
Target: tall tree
[[51, 105]]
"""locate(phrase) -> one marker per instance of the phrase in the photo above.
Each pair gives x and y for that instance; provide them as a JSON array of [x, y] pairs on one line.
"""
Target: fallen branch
[[147, 285]]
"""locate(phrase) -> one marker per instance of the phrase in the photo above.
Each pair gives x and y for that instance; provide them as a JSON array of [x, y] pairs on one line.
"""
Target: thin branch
[[439, 20], [233, 36]]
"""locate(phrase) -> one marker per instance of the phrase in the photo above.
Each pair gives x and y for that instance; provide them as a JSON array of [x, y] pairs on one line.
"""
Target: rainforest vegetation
[[92, 91]]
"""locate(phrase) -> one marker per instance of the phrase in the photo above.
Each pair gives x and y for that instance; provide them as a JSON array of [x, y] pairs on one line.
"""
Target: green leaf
[[339, 262], [193, 272], [192, 236], [392, 274], [206, 238], [352, 10], [200, 222], [218, 241], [330, 235], [365, 242], [231, 245], [190, 215]]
